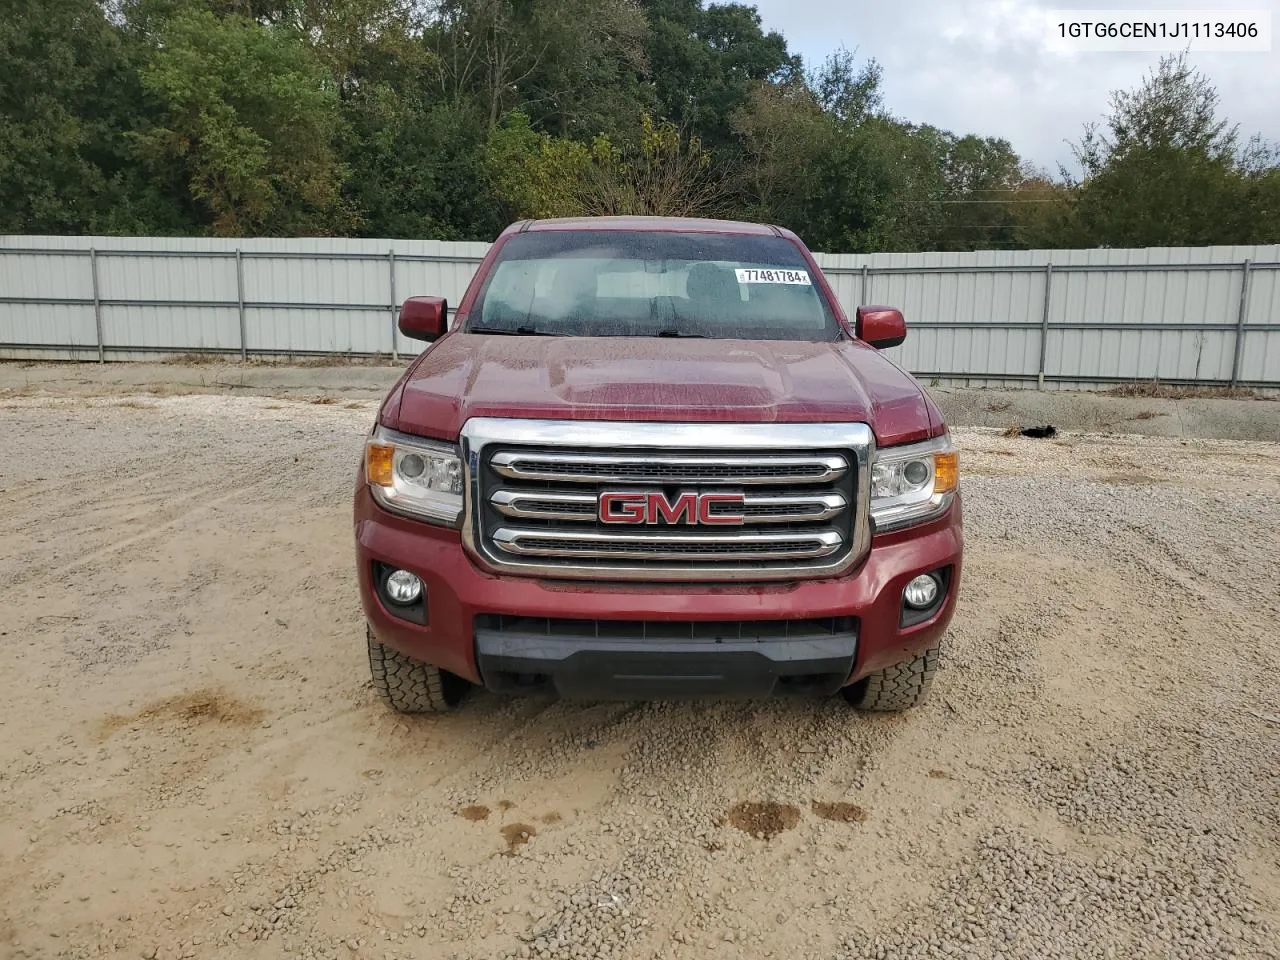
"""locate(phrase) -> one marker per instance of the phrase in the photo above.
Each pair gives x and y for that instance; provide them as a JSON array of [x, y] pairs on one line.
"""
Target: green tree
[[805, 169], [783, 135], [705, 61], [418, 168], [359, 41], [448, 118], [588, 79], [68, 90], [534, 174], [1042, 211], [1167, 170], [572, 66], [415, 165], [979, 177], [1260, 190], [909, 201], [846, 91], [665, 173], [248, 117]]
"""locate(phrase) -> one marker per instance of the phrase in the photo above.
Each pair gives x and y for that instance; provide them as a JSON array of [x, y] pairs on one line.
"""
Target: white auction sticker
[[800, 277]]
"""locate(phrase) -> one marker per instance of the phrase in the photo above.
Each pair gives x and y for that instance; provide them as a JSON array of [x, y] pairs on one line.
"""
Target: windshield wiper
[[520, 331], [677, 333]]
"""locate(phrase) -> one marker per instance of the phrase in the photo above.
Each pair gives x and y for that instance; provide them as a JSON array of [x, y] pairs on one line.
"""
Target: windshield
[[595, 283]]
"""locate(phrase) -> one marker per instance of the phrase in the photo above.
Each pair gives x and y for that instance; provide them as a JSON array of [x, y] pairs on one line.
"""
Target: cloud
[[987, 67]]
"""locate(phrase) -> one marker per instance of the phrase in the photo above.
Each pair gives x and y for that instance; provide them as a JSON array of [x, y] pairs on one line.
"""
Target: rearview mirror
[[423, 318], [881, 327]]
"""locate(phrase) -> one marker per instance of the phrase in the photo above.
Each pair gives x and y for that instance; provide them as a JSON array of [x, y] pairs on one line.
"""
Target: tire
[[409, 685], [900, 687]]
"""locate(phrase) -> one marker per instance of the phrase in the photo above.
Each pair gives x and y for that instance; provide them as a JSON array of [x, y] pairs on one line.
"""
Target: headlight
[[414, 476], [913, 483]]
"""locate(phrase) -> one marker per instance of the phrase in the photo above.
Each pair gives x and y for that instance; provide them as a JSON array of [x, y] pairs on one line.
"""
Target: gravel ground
[[193, 763]]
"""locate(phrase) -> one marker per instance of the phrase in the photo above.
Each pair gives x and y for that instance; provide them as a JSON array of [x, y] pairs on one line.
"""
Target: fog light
[[403, 587], [921, 592]]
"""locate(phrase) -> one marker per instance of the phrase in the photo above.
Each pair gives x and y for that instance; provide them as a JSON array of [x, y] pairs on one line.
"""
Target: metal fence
[[1208, 315]]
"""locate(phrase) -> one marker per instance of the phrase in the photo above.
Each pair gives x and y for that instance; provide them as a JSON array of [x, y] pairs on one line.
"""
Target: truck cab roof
[[639, 224]]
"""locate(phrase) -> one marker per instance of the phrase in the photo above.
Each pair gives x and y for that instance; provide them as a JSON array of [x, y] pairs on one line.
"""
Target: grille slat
[[584, 507], [597, 468], [665, 546]]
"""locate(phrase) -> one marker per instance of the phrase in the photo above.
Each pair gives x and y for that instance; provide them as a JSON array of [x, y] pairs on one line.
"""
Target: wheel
[[899, 687], [409, 685]]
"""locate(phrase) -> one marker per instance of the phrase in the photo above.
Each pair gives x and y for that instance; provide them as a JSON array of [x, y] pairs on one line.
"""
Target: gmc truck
[[653, 458]]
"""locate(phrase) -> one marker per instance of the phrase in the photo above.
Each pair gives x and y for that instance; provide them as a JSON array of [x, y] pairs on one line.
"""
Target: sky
[[986, 66]]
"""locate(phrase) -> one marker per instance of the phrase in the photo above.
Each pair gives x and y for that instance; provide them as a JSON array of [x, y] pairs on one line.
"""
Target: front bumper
[[648, 660], [458, 593]]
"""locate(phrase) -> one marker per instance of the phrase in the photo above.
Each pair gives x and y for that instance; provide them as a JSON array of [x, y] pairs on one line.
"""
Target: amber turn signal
[[379, 460], [946, 471]]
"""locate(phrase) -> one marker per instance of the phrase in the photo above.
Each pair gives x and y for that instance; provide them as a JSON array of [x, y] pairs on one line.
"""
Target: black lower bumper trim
[[645, 669]]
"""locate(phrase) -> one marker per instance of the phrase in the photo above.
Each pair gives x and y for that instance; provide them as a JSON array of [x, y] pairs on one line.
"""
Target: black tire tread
[[899, 687], [408, 685]]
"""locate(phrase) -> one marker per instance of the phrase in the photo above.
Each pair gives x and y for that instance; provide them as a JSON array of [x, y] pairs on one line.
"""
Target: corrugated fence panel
[[1139, 355], [1173, 304], [1260, 356], [315, 330], [979, 318], [155, 302], [170, 329], [316, 305], [48, 324], [40, 276]]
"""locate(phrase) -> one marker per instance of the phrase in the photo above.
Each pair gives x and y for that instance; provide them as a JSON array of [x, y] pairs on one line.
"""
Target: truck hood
[[653, 379]]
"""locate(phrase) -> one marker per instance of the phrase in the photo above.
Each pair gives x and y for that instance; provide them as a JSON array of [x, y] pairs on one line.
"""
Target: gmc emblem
[[688, 508]]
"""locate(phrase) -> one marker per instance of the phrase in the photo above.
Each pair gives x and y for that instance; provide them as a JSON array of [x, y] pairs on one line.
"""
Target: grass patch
[[1167, 391], [196, 359]]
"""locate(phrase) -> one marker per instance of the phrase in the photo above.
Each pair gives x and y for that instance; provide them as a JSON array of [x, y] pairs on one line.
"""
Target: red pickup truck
[[653, 458]]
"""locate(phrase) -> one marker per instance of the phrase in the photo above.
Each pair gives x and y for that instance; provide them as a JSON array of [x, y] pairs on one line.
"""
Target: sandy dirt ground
[[194, 764]]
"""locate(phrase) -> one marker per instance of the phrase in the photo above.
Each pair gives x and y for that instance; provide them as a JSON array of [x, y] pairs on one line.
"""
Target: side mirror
[[423, 318], [881, 327]]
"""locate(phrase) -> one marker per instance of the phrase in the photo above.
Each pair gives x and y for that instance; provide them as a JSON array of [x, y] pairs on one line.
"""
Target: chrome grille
[[534, 489]]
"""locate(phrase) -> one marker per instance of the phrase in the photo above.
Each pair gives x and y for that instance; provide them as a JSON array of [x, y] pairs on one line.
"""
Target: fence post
[[1241, 316], [862, 298], [97, 304], [391, 263], [244, 344], [1044, 325]]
